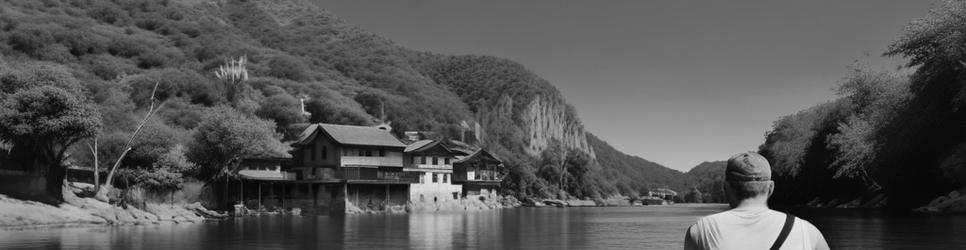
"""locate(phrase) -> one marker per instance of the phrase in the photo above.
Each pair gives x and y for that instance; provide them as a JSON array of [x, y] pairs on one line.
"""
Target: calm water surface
[[654, 227]]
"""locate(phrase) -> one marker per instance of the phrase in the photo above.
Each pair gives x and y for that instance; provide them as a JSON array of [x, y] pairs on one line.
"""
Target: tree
[[42, 122], [694, 196], [108, 184], [284, 109], [226, 135], [168, 173]]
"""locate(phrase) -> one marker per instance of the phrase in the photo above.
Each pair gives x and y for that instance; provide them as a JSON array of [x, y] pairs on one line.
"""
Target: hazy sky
[[676, 82]]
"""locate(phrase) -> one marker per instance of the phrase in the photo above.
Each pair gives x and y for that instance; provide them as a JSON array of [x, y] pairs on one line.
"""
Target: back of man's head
[[748, 175]]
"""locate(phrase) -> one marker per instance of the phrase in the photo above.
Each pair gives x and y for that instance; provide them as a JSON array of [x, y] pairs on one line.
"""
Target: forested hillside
[[893, 139], [632, 173], [104, 58], [709, 183]]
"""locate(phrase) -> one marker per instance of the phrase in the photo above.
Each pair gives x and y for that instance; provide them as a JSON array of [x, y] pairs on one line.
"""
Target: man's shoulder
[[711, 219], [806, 224]]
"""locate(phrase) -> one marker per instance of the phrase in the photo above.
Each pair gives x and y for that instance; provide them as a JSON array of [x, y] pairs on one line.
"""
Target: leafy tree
[[284, 109], [694, 196], [42, 122], [226, 135]]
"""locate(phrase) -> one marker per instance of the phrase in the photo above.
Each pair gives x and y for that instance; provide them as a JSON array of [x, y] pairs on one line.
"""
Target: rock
[[954, 194], [852, 204], [928, 210], [937, 201], [877, 201], [581, 203], [555, 203], [814, 203]]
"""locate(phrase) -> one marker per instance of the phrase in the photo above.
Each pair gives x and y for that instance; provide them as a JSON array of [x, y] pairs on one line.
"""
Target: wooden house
[[479, 173], [433, 162]]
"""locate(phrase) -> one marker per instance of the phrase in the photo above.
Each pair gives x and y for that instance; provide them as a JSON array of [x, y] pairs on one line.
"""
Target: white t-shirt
[[751, 228]]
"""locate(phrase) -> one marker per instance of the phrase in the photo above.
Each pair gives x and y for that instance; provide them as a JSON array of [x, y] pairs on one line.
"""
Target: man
[[750, 224]]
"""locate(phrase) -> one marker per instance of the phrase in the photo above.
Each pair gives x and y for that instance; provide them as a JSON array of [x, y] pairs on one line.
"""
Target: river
[[651, 227]]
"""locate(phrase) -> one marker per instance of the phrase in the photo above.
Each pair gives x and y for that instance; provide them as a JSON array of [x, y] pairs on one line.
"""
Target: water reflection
[[523, 228]]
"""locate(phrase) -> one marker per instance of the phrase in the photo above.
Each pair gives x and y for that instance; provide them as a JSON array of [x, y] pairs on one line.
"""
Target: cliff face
[[547, 120]]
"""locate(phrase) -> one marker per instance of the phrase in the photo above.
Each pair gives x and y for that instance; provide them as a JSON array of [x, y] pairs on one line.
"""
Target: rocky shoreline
[[953, 203], [77, 211]]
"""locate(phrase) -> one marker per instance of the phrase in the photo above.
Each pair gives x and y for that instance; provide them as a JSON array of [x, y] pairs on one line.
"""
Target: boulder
[[555, 203], [581, 203], [954, 194]]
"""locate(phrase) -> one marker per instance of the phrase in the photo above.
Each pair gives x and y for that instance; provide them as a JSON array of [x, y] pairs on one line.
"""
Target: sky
[[677, 82]]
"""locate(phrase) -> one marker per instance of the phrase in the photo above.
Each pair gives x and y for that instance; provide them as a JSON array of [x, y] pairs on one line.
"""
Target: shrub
[[288, 67], [107, 13], [30, 39], [174, 83], [108, 67], [153, 59], [81, 42], [284, 109], [125, 47], [182, 114]]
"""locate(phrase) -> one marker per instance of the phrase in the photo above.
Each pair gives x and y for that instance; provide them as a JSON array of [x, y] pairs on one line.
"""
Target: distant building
[[480, 173], [433, 162]]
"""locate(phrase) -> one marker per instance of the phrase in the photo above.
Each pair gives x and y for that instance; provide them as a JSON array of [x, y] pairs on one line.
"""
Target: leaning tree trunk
[[108, 184]]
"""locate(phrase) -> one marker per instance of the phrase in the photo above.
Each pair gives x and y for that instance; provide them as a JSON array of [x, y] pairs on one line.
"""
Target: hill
[[635, 174], [709, 180], [117, 50]]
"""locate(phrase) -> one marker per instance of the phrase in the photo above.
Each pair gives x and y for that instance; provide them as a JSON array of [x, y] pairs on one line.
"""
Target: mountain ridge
[[297, 50]]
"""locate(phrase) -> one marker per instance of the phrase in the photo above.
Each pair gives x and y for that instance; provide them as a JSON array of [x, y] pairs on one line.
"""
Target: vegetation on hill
[[112, 53], [634, 175], [709, 183], [892, 138]]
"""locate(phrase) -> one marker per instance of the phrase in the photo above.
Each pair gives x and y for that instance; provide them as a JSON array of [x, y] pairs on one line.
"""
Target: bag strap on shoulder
[[786, 229]]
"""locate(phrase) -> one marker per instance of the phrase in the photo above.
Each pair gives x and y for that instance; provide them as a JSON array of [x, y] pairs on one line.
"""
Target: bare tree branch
[[102, 192]]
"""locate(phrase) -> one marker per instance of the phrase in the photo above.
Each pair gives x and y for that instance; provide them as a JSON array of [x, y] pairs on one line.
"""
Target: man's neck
[[756, 203]]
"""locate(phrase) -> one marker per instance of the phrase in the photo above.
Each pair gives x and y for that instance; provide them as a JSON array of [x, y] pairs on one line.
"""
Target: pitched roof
[[416, 146], [350, 135], [479, 154], [433, 147]]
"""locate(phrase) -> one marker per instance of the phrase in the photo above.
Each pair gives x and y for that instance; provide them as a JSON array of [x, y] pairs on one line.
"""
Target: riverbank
[[77, 211]]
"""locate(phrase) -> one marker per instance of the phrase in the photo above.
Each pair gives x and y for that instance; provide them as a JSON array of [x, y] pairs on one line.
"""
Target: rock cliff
[[553, 120]]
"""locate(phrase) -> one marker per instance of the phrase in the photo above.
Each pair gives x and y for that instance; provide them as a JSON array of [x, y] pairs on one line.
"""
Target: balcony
[[362, 175], [479, 177]]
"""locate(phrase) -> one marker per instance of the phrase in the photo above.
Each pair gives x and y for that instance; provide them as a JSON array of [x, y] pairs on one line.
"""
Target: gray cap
[[748, 166]]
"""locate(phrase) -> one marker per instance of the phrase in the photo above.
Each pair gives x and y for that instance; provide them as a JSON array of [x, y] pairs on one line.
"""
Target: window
[[382, 152], [360, 152], [313, 151], [435, 160], [368, 152], [445, 178], [325, 154], [434, 178], [446, 160], [422, 160]]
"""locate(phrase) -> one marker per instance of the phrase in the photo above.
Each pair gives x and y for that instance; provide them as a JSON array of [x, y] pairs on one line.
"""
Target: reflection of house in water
[[341, 168]]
